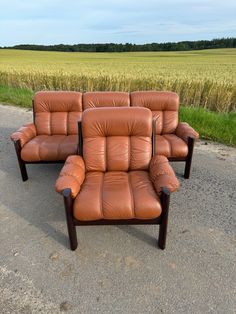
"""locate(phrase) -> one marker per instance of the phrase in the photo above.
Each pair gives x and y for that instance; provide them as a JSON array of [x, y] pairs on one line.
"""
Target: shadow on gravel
[[35, 200], [179, 169], [141, 235]]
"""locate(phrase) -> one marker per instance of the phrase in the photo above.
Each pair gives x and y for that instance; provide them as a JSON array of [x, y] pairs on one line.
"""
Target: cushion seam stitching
[[101, 196], [131, 195], [169, 144], [129, 153], [58, 147]]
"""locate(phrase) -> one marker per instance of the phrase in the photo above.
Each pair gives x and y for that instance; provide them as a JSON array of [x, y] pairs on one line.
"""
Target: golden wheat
[[202, 78]]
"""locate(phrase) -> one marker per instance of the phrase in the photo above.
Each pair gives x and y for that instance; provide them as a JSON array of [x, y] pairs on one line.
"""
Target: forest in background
[[128, 47]]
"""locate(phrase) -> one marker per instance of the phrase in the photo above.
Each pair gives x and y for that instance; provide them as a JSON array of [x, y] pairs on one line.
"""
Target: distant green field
[[204, 78]]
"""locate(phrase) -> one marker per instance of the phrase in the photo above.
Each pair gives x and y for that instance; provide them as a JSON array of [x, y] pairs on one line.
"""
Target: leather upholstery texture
[[164, 107], [117, 195], [117, 139], [72, 175], [105, 99], [162, 174], [170, 145], [184, 130], [57, 113], [50, 148], [24, 134]]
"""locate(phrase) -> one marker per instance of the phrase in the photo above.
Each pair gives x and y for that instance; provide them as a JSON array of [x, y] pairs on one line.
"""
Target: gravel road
[[117, 269]]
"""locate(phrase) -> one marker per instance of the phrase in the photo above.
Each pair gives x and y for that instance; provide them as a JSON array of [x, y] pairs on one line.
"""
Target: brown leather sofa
[[53, 135], [116, 180]]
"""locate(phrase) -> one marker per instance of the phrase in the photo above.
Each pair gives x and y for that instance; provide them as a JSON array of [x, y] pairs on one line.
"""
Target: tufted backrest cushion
[[117, 139], [57, 112], [164, 107], [105, 99]]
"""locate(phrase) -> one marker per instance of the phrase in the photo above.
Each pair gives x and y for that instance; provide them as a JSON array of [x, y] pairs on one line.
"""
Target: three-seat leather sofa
[[54, 133]]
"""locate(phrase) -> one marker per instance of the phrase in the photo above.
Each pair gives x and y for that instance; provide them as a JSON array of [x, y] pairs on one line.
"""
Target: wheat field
[[204, 78]]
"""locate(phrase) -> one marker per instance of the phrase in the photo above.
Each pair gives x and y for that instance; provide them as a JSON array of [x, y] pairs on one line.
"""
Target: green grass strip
[[21, 97], [216, 126]]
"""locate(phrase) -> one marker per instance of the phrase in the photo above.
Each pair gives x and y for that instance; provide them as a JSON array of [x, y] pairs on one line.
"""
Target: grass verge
[[21, 97], [220, 127]]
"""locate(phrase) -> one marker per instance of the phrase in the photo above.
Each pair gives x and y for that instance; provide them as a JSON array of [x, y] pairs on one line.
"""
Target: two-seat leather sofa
[[116, 180], [53, 135]]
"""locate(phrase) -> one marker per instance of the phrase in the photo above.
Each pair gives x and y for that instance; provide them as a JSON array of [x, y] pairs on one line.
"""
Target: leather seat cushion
[[117, 195], [50, 148], [170, 145]]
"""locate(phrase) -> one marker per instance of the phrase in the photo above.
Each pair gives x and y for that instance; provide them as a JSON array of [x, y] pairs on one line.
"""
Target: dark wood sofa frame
[[187, 159], [72, 222]]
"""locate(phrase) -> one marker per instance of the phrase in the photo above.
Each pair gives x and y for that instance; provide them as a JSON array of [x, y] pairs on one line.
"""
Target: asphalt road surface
[[117, 269]]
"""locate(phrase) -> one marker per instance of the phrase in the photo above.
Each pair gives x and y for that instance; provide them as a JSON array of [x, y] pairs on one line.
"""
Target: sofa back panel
[[54, 101], [94, 153], [117, 156], [117, 139], [57, 112], [105, 99], [164, 106], [58, 123], [43, 123], [158, 117], [72, 120], [170, 121]]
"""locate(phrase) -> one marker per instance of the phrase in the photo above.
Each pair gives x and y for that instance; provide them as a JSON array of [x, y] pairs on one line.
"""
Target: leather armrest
[[162, 175], [24, 134], [184, 130], [71, 176]]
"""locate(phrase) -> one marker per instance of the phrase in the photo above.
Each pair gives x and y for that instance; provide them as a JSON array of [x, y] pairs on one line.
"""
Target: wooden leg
[[22, 166], [68, 201], [189, 157], [165, 201]]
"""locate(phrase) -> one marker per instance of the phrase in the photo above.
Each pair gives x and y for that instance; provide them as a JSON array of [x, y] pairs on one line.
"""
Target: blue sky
[[120, 21]]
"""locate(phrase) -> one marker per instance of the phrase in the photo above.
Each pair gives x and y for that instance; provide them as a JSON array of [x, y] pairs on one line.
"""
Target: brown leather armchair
[[116, 181], [53, 136], [173, 139]]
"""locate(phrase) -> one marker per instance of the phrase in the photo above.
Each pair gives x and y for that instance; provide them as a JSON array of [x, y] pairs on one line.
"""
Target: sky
[[119, 21]]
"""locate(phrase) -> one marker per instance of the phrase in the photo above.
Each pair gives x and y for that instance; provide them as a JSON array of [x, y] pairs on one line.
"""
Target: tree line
[[128, 47]]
